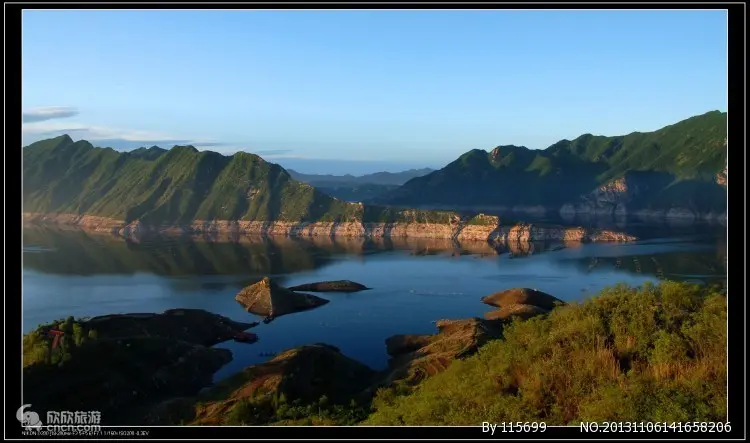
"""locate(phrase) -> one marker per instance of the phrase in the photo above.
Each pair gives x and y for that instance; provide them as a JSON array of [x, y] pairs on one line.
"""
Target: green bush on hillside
[[654, 353]]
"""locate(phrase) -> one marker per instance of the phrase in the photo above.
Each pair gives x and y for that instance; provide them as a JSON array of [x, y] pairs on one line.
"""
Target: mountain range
[[359, 188], [154, 185], [378, 178], [681, 167], [677, 170]]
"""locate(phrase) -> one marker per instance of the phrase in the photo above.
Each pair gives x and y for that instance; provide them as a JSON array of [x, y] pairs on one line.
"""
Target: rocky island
[[123, 364], [268, 299], [331, 286]]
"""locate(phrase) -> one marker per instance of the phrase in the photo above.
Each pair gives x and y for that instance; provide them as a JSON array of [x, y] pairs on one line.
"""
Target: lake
[[415, 282]]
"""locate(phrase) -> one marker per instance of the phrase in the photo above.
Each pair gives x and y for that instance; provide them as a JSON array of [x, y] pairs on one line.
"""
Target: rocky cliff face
[[608, 199], [481, 227], [721, 177], [630, 196]]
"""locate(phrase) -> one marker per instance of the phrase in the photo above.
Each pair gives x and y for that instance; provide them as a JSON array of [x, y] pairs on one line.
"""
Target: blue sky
[[374, 89]]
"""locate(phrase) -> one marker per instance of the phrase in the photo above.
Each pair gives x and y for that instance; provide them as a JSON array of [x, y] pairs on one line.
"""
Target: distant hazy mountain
[[679, 168], [359, 188], [378, 178]]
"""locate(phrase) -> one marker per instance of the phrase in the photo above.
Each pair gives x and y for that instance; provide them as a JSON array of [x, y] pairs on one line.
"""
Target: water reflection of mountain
[[698, 266], [77, 252], [81, 253]]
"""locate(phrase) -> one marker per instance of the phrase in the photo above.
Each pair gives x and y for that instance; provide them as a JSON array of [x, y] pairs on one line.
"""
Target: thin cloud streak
[[48, 113], [117, 138]]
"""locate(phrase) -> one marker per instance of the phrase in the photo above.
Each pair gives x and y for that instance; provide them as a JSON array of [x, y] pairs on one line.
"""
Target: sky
[[363, 91]]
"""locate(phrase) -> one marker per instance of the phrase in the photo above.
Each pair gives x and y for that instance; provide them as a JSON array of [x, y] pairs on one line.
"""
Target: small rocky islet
[[331, 286], [270, 300], [160, 366]]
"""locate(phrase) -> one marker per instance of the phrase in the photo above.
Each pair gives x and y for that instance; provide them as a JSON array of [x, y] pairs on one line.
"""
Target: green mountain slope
[[178, 185], [676, 166], [181, 185]]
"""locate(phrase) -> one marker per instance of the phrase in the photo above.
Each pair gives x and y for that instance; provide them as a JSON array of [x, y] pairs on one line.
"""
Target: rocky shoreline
[[571, 210], [481, 227], [160, 365]]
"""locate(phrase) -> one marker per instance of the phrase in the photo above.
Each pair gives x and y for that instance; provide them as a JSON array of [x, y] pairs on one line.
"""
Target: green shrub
[[654, 353]]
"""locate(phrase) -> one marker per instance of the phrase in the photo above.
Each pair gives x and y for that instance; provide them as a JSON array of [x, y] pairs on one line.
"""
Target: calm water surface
[[414, 282]]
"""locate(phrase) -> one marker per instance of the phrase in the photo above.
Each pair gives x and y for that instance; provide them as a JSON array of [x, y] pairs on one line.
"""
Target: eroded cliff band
[[480, 227]]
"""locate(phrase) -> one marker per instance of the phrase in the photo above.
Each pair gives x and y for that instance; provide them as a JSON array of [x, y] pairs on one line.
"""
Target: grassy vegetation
[[651, 353], [688, 154], [482, 220], [278, 411], [655, 353], [384, 214]]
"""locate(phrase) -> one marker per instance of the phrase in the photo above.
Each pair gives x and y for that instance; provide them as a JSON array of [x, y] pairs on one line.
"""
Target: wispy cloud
[[92, 132], [117, 138], [48, 113], [41, 123]]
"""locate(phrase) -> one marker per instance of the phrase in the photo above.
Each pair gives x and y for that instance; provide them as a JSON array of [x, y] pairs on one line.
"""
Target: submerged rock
[[515, 310], [268, 299], [523, 296], [330, 286]]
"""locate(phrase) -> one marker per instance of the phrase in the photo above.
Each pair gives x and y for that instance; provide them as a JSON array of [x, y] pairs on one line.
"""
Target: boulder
[[330, 286], [455, 339], [402, 344], [522, 296], [270, 300], [509, 312], [302, 374]]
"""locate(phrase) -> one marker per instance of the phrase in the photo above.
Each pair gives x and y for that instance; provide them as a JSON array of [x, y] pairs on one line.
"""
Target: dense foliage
[[279, 411], [654, 353]]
